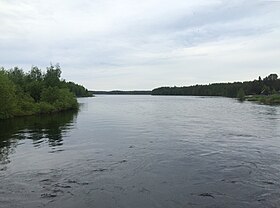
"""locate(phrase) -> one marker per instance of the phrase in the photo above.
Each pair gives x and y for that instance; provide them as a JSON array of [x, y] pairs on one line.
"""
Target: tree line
[[122, 92], [267, 86], [34, 92]]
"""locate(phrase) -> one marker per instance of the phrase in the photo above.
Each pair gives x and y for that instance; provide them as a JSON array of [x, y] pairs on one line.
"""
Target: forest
[[36, 92], [268, 86], [122, 92]]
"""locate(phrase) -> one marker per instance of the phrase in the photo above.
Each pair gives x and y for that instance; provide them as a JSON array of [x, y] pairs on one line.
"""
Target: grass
[[265, 99]]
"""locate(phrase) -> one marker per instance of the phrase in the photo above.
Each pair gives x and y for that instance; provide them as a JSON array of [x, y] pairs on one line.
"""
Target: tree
[[34, 83], [36, 92], [52, 77], [272, 77], [35, 74], [7, 95], [17, 76], [35, 88]]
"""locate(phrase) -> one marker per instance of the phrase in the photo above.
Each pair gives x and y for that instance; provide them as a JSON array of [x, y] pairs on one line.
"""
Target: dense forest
[[121, 92], [34, 92], [267, 86]]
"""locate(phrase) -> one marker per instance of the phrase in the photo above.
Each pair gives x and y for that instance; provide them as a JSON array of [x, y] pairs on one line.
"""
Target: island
[[37, 92]]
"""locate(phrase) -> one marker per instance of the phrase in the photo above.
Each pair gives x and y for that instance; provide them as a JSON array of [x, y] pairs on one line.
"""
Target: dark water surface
[[143, 151]]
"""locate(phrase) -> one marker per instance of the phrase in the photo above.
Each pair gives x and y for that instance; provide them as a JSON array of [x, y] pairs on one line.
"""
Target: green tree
[[17, 76], [34, 89], [50, 95], [7, 96], [52, 76], [272, 77], [36, 92], [35, 74]]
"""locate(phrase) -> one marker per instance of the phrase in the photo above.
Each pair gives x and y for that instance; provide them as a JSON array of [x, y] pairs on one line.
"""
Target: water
[[143, 151]]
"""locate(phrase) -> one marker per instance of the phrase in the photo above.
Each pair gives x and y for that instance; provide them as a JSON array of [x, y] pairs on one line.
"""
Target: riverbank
[[265, 99], [268, 85], [30, 108], [37, 92]]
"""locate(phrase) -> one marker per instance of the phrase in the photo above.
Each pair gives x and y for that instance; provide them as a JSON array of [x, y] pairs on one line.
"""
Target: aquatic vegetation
[[265, 99]]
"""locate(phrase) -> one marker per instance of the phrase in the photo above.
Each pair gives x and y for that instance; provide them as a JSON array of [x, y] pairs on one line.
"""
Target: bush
[[241, 94], [46, 107], [61, 99]]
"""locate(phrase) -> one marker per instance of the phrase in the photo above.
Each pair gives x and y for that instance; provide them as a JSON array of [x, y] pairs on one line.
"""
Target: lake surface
[[143, 151]]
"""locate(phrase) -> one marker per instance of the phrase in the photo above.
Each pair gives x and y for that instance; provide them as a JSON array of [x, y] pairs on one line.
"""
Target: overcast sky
[[143, 44]]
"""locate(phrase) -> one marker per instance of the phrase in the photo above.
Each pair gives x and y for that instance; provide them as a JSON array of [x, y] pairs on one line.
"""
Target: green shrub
[[241, 94], [46, 107]]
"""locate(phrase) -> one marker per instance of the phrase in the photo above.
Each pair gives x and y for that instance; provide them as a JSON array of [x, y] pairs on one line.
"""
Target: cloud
[[128, 44]]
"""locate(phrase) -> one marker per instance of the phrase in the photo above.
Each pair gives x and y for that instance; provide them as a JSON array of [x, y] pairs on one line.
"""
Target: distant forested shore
[[122, 92], [37, 92], [262, 90]]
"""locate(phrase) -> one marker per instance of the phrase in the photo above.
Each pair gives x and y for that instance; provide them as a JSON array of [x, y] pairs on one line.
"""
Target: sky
[[143, 44]]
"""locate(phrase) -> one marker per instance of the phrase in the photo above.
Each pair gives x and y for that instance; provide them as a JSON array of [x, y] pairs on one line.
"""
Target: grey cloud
[[124, 38]]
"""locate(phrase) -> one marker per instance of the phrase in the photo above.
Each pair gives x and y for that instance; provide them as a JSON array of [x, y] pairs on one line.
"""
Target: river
[[143, 151]]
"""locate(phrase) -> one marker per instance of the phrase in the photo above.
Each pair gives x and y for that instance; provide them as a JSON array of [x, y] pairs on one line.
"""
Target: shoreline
[[273, 99]]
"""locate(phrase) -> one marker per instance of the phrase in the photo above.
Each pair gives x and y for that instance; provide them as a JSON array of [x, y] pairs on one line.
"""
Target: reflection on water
[[144, 151], [50, 128]]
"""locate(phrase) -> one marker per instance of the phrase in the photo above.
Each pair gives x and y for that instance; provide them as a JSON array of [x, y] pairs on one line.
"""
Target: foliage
[[78, 90], [267, 86], [266, 99], [7, 96], [120, 92], [241, 94], [61, 99], [36, 92], [52, 77]]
